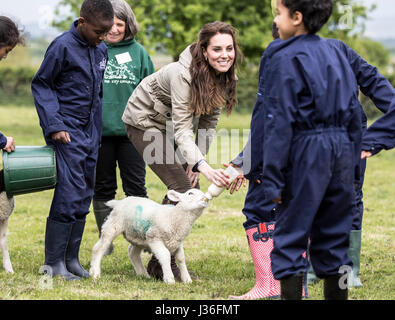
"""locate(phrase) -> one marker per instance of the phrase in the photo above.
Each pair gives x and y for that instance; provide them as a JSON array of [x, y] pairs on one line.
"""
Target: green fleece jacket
[[128, 64]]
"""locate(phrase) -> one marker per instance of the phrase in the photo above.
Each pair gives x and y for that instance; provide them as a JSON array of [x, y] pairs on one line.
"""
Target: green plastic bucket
[[29, 169]]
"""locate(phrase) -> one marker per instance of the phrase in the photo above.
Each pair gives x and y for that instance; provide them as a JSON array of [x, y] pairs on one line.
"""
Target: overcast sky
[[380, 25]]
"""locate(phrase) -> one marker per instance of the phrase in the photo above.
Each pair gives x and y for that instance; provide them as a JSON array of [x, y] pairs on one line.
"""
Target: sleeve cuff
[[54, 128], [271, 193], [372, 149], [3, 141], [238, 161], [195, 167]]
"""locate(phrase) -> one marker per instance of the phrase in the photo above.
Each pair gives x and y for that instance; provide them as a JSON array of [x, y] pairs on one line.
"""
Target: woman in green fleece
[[128, 63]]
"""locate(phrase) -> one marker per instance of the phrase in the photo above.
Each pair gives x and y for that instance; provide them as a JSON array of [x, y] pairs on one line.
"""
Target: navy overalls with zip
[[67, 91], [380, 135], [312, 134], [257, 208]]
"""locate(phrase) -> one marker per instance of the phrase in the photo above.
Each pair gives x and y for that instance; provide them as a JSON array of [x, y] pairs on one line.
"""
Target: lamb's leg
[[110, 230], [163, 255], [4, 246], [180, 258], [134, 253]]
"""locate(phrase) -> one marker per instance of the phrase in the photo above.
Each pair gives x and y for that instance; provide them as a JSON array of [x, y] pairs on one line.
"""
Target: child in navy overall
[[9, 38], [379, 136], [259, 211], [312, 133], [67, 91]]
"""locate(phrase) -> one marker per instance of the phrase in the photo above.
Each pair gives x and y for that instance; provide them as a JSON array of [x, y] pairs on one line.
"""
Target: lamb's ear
[[174, 195]]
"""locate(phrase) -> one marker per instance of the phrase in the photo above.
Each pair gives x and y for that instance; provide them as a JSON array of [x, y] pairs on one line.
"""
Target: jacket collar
[[76, 35], [185, 58], [121, 43], [279, 44]]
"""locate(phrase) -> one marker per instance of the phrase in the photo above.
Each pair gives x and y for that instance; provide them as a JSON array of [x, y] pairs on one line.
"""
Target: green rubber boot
[[354, 252], [311, 277]]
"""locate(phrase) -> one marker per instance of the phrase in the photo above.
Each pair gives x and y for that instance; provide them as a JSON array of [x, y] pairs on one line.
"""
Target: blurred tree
[[170, 25], [173, 24]]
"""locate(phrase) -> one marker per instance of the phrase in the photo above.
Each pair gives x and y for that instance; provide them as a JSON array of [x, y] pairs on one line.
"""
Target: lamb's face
[[190, 200]]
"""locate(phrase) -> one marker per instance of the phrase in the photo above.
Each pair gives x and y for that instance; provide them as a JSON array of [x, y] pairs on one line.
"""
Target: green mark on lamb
[[140, 225]]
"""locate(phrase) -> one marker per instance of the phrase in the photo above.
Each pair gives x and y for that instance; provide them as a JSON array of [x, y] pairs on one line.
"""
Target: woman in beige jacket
[[183, 98]]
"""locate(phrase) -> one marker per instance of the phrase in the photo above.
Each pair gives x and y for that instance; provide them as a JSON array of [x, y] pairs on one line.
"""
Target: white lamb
[[6, 207], [148, 225]]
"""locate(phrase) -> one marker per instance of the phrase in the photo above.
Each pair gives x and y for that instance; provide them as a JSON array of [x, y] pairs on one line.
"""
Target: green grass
[[216, 250]]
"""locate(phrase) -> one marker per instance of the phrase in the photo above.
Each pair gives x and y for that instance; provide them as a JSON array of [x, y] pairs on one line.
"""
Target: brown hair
[[10, 35], [208, 90]]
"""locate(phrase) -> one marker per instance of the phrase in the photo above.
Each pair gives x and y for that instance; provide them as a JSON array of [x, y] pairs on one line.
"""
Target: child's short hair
[[9, 33], [275, 33], [315, 12], [93, 10]]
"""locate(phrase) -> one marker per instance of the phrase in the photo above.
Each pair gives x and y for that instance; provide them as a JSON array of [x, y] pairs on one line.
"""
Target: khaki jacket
[[163, 98]]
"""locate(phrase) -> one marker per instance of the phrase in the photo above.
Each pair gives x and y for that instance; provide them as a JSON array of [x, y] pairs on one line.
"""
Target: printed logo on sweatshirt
[[119, 73], [102, 64]]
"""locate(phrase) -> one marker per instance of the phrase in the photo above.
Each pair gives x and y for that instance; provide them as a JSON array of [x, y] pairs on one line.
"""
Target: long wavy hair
[[210, 90]]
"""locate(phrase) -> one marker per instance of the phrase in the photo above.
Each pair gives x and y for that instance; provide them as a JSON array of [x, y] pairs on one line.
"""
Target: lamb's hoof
[[169, 280], [143, 274], [189, 280], [94, 274], [10, 271], [8, 267]]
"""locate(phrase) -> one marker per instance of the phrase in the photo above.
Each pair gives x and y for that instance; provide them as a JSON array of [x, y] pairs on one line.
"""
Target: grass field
[[216, 250]]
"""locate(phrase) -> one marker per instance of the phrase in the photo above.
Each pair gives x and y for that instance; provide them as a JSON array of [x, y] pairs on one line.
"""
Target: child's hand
[[240, 179], [278, 200], [61, 136], [10, 146], [365, 154]]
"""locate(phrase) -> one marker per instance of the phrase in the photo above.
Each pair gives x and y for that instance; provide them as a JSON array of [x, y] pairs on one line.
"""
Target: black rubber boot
[[57, 235], [154, 269], [292, 287], [332, 290], [101, 212], [73, 248], [166, 200]]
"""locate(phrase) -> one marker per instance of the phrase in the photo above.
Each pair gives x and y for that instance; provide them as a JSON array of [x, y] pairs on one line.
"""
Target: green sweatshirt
[[128, 63]]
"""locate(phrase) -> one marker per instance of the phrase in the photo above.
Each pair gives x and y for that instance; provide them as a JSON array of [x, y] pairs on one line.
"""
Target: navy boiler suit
[[312, 133], [67, 92], [379, 136], [257, 208]]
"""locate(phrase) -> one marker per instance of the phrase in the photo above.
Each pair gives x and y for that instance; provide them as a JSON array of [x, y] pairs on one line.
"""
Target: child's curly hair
[[10, 35]]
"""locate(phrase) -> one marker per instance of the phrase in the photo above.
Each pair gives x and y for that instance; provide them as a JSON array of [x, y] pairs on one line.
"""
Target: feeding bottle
[[214, 191]]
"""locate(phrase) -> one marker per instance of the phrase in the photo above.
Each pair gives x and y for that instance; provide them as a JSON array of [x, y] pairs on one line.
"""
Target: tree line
[[168, 26]]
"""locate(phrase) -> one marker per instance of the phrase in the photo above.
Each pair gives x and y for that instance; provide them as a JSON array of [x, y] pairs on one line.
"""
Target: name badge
[[123, 58]]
